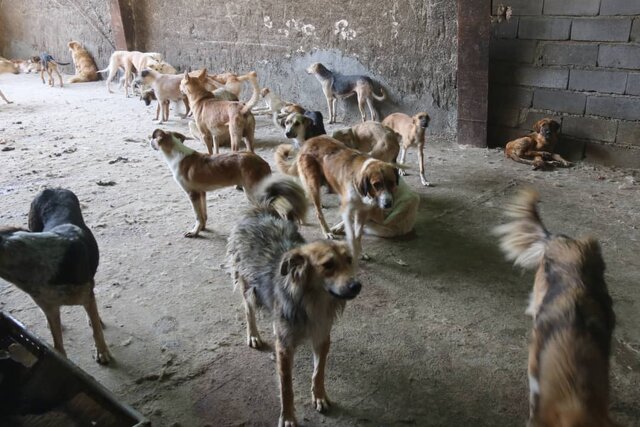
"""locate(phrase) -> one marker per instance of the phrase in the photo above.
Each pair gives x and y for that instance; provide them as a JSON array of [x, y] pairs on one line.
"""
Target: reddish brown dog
[[536, 149]]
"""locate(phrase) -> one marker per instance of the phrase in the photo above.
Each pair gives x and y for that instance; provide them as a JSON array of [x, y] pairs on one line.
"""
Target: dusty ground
[[437, 337]]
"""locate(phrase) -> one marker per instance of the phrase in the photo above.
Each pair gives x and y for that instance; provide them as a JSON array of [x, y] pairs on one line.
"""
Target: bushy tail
[[255, 96], [286, 166], [524, 239], [283, 196], [380, 97]]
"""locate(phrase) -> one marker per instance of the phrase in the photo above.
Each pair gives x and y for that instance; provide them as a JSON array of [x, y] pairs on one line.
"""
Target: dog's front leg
[[4, 98], [249, 300], [284, 357], [208, 139], [403, 155], [319, 398], [55, 325], [423, 178], [329, 106], [196, 202], [558, 158], [360, 218], [102, 351], [349, 231]]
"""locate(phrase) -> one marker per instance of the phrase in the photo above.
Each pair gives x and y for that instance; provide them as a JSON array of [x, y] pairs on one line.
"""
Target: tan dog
[[86, 69], [7, 66], [412, 130], [166, 88], [130, 62], [536, 149], [379, 141], [361, 181], [214, 117], [573, 320], [336, 85], [196, 173]]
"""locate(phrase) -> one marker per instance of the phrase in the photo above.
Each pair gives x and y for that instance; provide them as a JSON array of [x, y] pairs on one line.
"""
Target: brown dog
[[377, 140], [166, 88], [572, 320], [86, 69], [197, 173], [412, 130], [361, 181], [215, 117], [536, 149]]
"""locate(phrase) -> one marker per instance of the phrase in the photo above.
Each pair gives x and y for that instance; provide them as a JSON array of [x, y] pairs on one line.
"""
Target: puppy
[[50, 65], [55, 262], [197, 173], [412, 130], [214, 117], [305, 286], [536, 149], [335, 86], [301, 127], [573, 320], [361, 181], [379, 141], [7, 66], [166, 88], [86, 69]]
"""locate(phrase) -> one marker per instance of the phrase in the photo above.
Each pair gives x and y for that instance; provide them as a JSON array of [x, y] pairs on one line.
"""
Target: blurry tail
[[523, 240], [255, 96], [104, 71], [282, 196], [381, 97], [283, 163]]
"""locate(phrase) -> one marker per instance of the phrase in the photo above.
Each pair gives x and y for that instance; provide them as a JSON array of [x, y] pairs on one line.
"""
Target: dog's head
[[7, 66], [148, 75], [73, 45], [422, 119], [295, 125], [147, 96], [546, 127], [324, 265], [192, 85], [345, 136], [377, 181], [264, 92], [317, 68], [166, 141]]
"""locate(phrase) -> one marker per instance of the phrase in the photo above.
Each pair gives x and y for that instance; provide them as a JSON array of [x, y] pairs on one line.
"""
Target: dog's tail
[[61, 63], [283, 197], [524, 239], [255, 96], [379, 97], [282, 160], [104, 71]]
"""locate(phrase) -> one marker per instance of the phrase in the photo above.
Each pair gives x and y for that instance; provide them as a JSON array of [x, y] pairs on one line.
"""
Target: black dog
[[55, 262], [49, 64]]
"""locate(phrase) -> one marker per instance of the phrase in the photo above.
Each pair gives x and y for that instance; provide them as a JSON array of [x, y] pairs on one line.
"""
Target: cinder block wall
[[577, 61]]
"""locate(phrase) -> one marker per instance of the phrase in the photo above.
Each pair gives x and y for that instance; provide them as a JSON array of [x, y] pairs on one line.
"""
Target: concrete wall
[[409, 47], [577, 61]]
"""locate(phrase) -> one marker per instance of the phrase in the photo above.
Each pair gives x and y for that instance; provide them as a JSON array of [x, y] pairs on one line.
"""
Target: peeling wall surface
[[408, 47]]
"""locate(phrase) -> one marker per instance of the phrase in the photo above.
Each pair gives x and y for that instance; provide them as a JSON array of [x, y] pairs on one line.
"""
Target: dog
[[55, 262], [370, 137], [573, 320], [7, 66], [305, 286], [301, 127], [230, 81], [276, 107], [21, 64], [537, 148], [86, 69], [214, 117], [129, 62], [412, 131], [166, 88], [50, 65], [335, 86], [361, 181], [196, 173]]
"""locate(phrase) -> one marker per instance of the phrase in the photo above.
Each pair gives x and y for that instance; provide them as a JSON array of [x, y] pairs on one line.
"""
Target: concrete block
[[628, 133], [635, 30], [561, 101], [617, 107], [611, 155], [619, 56], [578, 8], [511, 96], [500, 115], [590, 128], [633, 84], [569, 54], [555, 78], [601, 29], [598, 81], [505, 29], [620, 7], [512, 50], [519, 7], [544, 28]]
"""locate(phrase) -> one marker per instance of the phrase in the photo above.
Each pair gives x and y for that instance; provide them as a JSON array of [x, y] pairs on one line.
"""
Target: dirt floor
[[437, 337]]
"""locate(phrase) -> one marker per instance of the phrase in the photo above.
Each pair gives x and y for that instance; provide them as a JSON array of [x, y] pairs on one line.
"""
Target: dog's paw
[[402, 172], [103, 357], [329, 236], [321, 404], [425, 182], [337, 229], [254, 342], [365, 257], [190, 234], [291, 422]]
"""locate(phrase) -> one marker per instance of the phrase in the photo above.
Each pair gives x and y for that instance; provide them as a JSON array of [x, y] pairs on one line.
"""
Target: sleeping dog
[[55, 262], [304, 285]]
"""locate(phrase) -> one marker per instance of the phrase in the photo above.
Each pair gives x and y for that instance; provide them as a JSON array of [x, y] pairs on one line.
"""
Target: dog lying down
[[573, 320], [55, 262], [305, 286]]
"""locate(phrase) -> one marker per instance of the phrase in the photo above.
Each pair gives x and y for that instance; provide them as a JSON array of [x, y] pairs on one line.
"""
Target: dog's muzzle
[[424, 123], [350, 291], [154, 144], [289, 134], [385, 200]]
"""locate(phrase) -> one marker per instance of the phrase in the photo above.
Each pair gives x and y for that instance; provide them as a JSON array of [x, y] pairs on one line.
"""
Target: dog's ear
[[537, 126], [203, 74], [293, 263], [365, 186], [307, 122], [555, 126], [180, 136], [186, 76], [158, 133]]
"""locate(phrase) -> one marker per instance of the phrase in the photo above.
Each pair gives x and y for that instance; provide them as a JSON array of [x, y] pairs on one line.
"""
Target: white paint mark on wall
[[342, 29], [267, 22], [308, 30], [283, 31]]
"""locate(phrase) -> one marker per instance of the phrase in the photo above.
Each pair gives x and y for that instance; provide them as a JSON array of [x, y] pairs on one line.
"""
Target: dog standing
[[166, 88], [304, 285], [196, 173], [573, 320], [55, 262], [86, 69], [7, 66], [335, 86], [130, 62], [50, 65], [301, 127], [379, 141], [361, 181], [412, 130], [536, 149]]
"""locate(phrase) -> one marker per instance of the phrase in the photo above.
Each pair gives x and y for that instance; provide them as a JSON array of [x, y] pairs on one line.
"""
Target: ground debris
[[106, 183]]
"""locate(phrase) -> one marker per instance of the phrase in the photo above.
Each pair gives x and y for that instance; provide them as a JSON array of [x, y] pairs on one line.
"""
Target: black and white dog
[[55, 262]]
